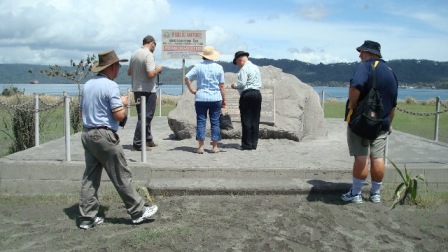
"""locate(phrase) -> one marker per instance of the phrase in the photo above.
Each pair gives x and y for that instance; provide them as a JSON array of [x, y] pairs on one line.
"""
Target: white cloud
[[315, 12], [55, 31], [52, 30]]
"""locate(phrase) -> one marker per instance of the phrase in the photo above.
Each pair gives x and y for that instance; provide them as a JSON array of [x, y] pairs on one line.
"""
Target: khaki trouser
[[102, 150]]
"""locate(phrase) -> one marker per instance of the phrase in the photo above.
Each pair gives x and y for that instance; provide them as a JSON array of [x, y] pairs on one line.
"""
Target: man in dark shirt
[[365, 150]]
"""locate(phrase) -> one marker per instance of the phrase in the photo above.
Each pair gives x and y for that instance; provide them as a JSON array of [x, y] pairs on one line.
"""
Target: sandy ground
[[226, 223]]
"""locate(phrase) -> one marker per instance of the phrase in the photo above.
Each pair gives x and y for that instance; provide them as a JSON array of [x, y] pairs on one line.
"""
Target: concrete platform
[[173, 167]]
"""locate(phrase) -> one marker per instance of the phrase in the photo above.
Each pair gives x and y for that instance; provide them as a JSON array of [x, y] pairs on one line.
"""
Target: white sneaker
[[375, 198], [149, 211], [349, 197], [96, 221]]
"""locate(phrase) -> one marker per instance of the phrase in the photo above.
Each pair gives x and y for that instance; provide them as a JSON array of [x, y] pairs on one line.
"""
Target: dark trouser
[[102, 149], [250, 107], [151, 100]]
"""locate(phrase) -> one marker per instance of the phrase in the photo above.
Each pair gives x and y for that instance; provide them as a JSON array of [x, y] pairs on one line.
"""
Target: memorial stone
[[290, 109]]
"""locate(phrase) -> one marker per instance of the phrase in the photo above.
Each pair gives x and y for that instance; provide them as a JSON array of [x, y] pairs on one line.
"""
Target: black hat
[[239, 54], [370, 46]]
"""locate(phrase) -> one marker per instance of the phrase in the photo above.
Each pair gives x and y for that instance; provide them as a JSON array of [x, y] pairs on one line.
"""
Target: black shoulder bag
[[367, 118]]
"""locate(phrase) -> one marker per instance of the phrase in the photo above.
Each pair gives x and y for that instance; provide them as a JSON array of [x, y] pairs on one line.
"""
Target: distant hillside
[[420, 73]]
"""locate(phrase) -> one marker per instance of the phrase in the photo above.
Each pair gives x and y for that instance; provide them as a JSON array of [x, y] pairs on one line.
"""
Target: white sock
[[357, 186], [376, 187]]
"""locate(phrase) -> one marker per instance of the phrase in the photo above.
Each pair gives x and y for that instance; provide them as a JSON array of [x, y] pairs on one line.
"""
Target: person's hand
[[124, 100], [224, 103], [159, 69], [233, 85], [193, 91]]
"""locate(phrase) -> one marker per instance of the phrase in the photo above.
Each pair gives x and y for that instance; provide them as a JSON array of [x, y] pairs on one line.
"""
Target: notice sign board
[[182, 44], [267, 114]]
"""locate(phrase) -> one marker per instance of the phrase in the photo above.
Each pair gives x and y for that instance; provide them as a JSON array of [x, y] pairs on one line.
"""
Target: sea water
[[339, 93]]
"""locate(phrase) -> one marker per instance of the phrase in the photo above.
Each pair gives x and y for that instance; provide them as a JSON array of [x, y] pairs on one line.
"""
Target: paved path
[[278, 165]]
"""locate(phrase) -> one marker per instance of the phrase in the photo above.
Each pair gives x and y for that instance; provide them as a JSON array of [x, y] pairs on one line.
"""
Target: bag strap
[[374, 73], [350, 112]]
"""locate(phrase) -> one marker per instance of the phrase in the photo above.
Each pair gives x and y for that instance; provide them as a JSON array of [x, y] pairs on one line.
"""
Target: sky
[[49, 32]]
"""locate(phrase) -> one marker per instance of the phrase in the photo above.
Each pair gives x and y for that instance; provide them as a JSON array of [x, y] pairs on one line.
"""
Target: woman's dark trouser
[[250, 107], [151, 100]]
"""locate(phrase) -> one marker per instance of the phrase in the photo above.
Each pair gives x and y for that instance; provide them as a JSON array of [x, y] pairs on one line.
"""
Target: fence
[[24, 107], [40, 105], [436, 113]]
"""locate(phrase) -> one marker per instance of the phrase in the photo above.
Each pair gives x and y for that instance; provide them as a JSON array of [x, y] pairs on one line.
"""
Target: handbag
[[225, 121]]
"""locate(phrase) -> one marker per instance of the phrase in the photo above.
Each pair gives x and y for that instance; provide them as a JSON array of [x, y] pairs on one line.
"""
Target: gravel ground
[[226, 223]]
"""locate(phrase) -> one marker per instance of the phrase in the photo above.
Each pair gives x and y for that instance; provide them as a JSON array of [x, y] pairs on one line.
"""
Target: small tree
[[81, 70]]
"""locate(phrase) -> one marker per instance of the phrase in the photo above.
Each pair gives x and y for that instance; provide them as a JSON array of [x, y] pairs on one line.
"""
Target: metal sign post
[[143, 126], [183, 75]]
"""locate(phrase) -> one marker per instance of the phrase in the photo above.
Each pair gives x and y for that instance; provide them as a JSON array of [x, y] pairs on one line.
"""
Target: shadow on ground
[[327, 192]]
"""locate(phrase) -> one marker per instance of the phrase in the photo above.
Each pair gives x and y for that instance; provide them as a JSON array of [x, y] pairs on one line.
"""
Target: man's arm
[[241, 80], [391, 116], [353, 97], [121, 114], [153, 73]]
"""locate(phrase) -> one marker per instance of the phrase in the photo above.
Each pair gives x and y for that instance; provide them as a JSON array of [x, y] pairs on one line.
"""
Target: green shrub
[[75, 115], [23, 128], [12, 91], [411, 100]]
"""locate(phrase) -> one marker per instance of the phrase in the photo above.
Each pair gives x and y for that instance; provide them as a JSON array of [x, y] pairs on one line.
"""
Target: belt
[[99, 127], [249, 90]]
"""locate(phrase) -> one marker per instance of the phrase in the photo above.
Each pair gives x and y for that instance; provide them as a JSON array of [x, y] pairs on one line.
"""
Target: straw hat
[[209, 53], [106, 59]]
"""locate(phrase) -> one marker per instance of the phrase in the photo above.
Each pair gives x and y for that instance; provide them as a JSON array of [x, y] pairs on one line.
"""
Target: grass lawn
[[423, 126]]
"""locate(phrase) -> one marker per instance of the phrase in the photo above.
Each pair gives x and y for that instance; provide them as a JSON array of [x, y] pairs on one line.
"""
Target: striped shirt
[[249, 77], [208, 76]]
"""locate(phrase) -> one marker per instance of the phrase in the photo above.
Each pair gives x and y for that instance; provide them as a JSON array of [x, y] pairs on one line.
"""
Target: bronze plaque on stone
[[267, 114]]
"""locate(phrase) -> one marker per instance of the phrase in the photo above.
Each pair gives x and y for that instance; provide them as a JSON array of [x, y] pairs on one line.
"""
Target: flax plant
[[406, 189]]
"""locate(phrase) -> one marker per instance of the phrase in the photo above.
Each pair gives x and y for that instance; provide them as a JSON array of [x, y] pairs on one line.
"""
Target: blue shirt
[[100, 98], [249, 77], [386, 83], [208, 76]]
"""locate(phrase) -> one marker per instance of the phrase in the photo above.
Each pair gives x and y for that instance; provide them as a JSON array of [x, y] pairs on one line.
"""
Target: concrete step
[[213, 186]]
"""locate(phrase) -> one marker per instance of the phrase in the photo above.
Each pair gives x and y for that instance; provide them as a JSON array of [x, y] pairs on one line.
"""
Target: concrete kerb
[[66, 178], [278, 166]]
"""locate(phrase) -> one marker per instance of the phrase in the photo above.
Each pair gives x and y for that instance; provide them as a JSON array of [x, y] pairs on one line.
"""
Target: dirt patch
[[227, 223]]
